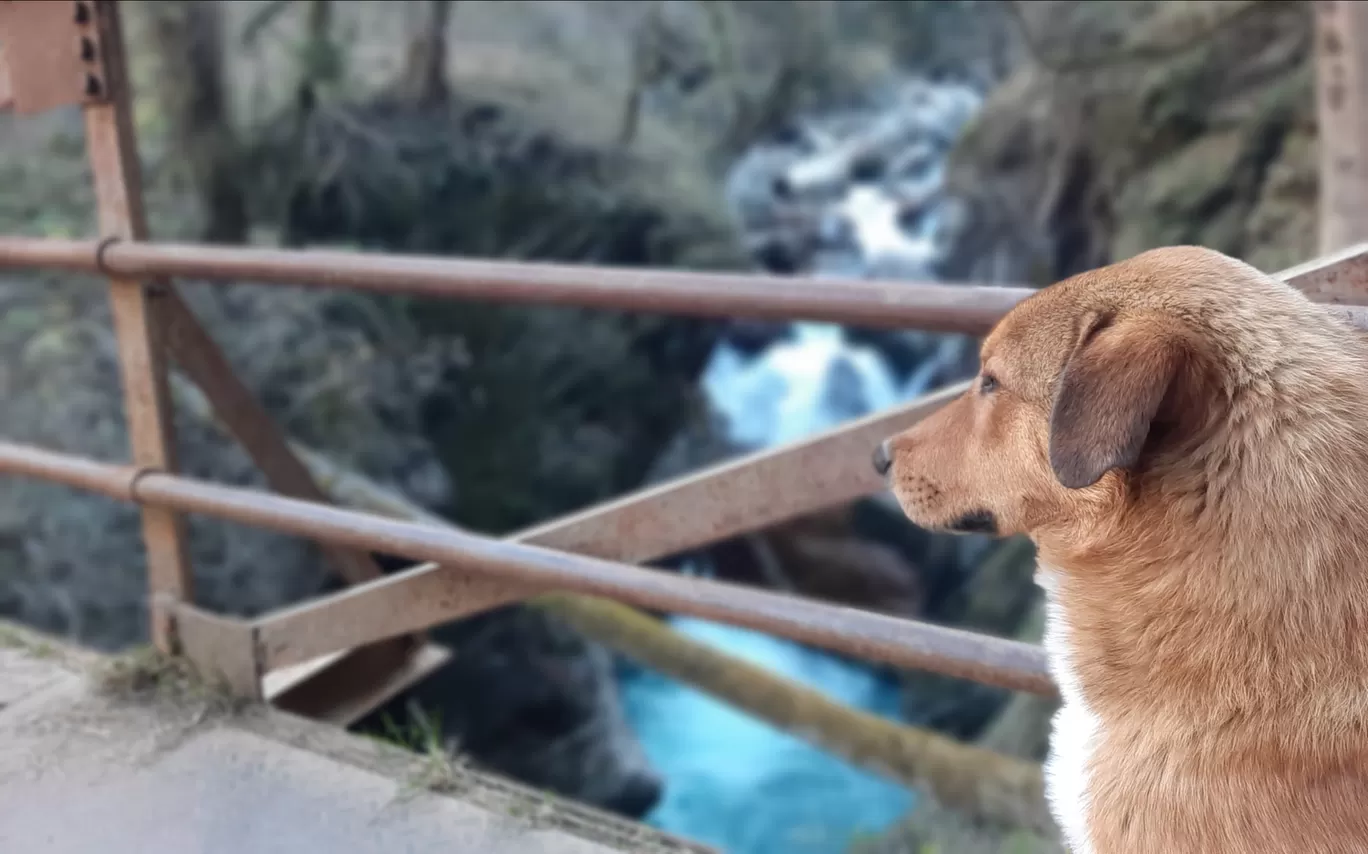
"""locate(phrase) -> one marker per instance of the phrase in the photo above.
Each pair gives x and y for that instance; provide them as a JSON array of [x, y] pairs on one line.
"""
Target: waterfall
[[851, 193]]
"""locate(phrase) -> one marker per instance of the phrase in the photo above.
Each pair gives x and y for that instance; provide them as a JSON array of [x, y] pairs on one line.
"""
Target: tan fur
[[1211, 564]]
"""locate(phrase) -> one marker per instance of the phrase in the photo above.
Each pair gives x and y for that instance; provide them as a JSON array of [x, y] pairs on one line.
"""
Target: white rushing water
[[849, 194]]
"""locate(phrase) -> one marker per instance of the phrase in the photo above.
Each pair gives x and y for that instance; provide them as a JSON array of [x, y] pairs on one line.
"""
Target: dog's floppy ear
[[1108, 396]]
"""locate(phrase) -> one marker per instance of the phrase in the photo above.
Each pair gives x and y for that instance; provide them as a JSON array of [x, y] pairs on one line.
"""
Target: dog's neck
[[1227, 585]]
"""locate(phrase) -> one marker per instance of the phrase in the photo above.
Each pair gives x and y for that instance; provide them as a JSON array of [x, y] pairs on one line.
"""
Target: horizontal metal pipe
[[1340, 279], [41, 253], [903, 643], [747, 493], [970, 309], [115, 481]]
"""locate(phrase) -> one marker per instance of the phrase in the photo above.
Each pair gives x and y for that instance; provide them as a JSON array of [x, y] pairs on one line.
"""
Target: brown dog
[[1186, 441]]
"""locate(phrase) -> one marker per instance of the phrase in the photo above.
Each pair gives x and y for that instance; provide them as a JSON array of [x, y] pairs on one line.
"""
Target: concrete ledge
[[82, 769]]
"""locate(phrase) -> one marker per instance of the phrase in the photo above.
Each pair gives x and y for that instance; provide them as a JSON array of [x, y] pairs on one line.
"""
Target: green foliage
[[439, 768]]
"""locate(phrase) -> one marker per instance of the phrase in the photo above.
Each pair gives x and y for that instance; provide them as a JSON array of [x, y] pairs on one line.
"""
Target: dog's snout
[[883, 458]]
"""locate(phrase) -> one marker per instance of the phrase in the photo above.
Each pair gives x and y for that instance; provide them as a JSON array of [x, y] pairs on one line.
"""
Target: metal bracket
[[53, 56], [222, 648]]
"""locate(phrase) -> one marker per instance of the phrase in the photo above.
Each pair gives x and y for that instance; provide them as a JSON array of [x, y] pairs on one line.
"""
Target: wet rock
[[932, 828]]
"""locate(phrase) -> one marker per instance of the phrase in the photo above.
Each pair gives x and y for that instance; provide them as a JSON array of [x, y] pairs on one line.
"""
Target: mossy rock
[[1186, 198], [1281, 230], [1200, 117], [932, 829]]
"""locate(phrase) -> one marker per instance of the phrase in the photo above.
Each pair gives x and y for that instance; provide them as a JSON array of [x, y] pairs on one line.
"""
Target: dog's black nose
[[883, 460]]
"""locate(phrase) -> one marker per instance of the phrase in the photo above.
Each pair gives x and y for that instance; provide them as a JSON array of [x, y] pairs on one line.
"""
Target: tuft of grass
[[439, 768], [11, 638], [30, 643], [147, 674], [537, 810]]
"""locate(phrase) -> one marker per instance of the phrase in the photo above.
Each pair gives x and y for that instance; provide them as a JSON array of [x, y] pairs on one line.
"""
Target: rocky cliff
[[1131, 125]]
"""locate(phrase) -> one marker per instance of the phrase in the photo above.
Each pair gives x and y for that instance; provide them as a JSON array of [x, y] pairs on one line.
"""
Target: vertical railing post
[[1341, 32], [112, 149], [6, 95]]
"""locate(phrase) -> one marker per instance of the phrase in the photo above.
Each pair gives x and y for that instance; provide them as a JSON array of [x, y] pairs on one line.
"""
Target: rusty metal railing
[[934, 307], [484, 572], [588, 552]]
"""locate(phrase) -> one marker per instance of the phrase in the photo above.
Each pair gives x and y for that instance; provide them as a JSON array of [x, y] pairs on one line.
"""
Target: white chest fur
[[1075, 730]]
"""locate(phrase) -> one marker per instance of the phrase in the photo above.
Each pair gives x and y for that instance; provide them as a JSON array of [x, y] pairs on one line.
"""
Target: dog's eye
[[988, 384]]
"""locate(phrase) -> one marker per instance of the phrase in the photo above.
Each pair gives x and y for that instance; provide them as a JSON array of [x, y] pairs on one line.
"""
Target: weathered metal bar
[[359, 681], [757, 490], [114, 481], [185, 339], [222, 648], [352, 684], [195, 351], [54, 55], [752, 492], [902, 643], [381, 609], [112, 149], [970, 309], [905, 643], [947, 308], [1340, 278]]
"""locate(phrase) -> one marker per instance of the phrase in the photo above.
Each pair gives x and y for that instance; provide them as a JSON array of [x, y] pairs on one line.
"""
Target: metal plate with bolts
[[52, 54]]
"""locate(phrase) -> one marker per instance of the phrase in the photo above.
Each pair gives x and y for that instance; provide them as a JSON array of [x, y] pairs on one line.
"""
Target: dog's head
[[1080, 385]]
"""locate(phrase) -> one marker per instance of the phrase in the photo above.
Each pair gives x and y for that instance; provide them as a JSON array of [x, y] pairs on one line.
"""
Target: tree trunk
[[423, 81], [1342, 109], [189, 41]]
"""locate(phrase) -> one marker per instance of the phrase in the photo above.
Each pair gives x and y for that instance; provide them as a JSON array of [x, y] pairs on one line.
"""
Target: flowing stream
[[853, 193]]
